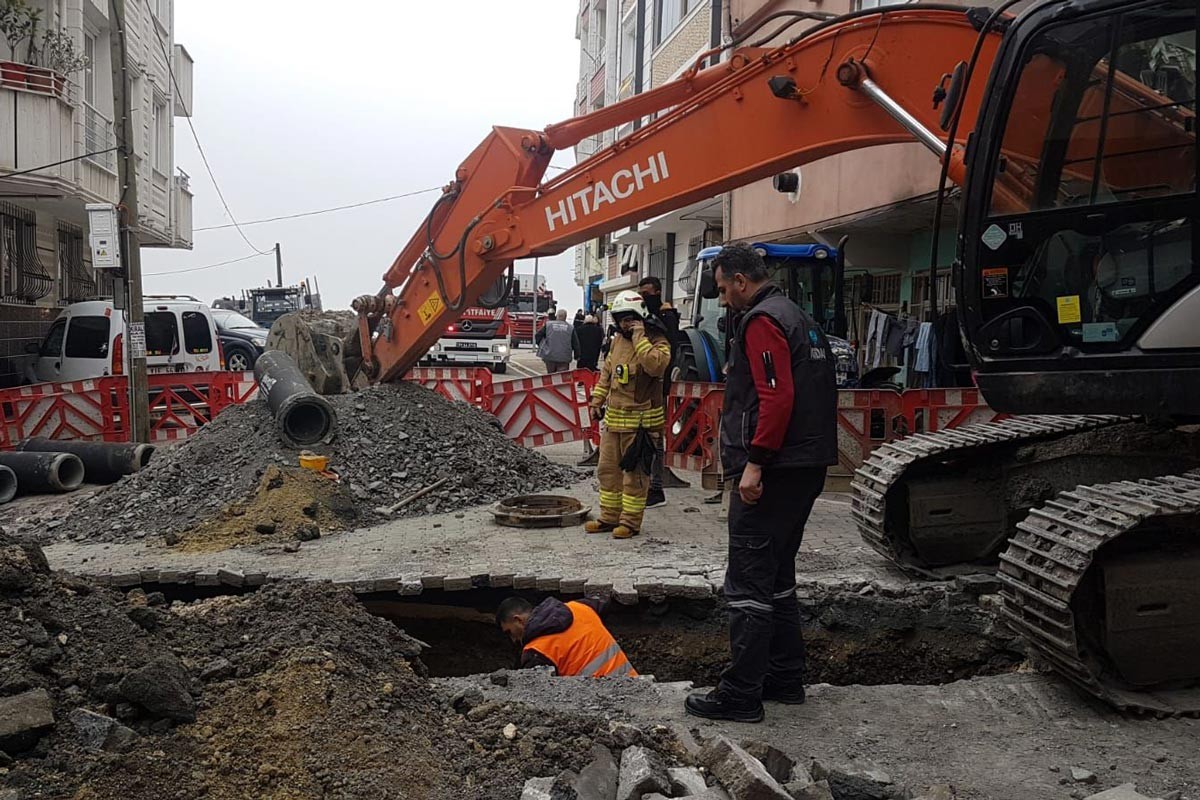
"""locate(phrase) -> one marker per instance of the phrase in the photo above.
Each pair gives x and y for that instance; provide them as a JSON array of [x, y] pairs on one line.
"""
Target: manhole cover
[[540, 511]]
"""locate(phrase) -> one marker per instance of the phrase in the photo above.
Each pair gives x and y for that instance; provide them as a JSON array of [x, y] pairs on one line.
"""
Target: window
[[22, 277], [160, 145], [1094, 181], [197, 337], [628, 53], [89, 72], [863, 5], [87, 337], [162, 334], [667, 15], [74, 281], [53, 345]]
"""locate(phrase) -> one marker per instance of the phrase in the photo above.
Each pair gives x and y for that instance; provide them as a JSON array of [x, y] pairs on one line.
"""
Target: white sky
[[303, 105]]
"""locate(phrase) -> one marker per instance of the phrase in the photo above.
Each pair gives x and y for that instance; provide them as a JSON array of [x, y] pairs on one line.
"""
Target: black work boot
[[791, 695], [655, 498], [714, 705]]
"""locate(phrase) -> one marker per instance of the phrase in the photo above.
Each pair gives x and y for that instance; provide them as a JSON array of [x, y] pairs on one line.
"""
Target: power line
[[58, 163], [212, 266], [319, 211], [188, 116]]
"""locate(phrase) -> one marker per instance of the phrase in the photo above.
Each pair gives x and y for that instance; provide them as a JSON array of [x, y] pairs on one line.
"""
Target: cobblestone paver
[[681, 553]]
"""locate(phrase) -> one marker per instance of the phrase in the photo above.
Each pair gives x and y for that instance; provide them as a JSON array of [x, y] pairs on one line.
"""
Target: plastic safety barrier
[[74, 410], [464, 384], [693, 415], [548, 409]]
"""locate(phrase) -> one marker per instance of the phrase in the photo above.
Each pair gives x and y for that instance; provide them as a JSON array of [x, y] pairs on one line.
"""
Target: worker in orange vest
[[566, 636]]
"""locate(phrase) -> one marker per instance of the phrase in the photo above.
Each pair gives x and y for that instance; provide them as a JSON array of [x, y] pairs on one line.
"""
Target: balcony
[[181, 210], [52, 124]]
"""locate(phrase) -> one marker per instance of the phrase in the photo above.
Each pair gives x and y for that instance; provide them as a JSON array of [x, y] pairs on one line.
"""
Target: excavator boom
[[759, 112]]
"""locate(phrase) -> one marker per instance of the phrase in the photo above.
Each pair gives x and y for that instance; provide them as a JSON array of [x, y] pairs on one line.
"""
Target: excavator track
[[891, 463], [1043, 586]]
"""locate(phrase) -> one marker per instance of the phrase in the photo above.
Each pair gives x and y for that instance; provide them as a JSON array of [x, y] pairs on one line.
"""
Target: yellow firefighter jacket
[[631, 381]]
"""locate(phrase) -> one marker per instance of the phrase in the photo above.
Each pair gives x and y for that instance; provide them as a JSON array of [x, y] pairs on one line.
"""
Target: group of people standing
[[778, 434]]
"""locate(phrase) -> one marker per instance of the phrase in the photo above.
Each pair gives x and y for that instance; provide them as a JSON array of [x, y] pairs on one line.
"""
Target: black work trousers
[[760, 582]]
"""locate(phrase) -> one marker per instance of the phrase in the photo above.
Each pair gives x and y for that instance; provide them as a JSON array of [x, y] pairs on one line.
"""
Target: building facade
[[57, 140], [882, 198], [629, 46]]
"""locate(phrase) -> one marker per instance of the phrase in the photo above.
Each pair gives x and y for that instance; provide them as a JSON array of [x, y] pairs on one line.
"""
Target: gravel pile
[[394, 440], [292, 691]]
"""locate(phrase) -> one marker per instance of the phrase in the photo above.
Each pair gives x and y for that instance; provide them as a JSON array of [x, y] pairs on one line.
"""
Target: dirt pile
[[394, 440], [294, 691]]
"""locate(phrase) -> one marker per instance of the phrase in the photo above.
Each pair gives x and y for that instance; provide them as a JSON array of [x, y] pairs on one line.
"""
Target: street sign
[[137, 339]]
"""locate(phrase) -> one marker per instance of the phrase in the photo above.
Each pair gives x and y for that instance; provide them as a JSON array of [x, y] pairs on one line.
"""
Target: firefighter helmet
[[628, 302]]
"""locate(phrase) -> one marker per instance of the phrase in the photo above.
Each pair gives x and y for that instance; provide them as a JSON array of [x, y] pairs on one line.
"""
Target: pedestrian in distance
[[591, 339], [570, 637], [629, 397], [558, 345], [579, 318], [778, 435]]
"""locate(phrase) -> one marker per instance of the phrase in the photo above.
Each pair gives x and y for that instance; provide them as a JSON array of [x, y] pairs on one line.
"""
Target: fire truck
[[480, 337], [522, 313]]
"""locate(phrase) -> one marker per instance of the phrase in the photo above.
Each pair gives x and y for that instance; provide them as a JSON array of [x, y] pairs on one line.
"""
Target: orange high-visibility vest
[[586, 648]]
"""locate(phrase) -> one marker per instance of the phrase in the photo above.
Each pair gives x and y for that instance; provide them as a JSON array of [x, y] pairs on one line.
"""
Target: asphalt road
[[523, 364]]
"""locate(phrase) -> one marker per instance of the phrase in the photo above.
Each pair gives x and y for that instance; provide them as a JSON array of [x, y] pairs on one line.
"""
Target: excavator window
[[1090, 233]]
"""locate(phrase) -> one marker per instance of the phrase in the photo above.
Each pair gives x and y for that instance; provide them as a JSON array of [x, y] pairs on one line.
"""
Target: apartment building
[[883, 198], [628, 46], [57, 105]]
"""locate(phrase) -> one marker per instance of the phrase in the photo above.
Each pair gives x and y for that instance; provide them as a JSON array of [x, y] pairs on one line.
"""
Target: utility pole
[[278, 267], [135, 345]]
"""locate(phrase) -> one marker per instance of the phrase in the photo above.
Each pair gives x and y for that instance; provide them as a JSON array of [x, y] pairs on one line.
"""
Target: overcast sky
[[302, 105]]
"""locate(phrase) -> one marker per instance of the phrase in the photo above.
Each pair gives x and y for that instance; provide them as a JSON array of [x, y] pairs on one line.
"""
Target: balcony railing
[[37, 80], [98, 136]]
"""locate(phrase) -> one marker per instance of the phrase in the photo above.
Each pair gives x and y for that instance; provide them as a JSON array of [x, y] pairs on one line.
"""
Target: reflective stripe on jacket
[[585, 648]]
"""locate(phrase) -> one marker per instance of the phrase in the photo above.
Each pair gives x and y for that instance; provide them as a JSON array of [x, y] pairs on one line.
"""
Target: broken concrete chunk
[[641, 773], [686, 781], [778, 763], [537, 789], [859, 778], [711, 793], [800, 790], [599, 779], [510, 731], [98, 732], [1081, 775], [23, 719], [563, 787], [1126, 791], [742, 775], [466, 699], [217, 670], [160, 687]]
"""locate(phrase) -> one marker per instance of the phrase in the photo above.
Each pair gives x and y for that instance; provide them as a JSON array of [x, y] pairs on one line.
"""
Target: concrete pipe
[[8, 485], [45, 472], [103, 462], [302, 416]]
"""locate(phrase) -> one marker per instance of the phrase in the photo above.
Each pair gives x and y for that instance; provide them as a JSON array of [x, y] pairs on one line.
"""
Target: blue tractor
[[812, 275]]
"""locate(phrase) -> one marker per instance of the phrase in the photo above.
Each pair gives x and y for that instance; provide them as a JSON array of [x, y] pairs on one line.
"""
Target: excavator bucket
[[322, 345]]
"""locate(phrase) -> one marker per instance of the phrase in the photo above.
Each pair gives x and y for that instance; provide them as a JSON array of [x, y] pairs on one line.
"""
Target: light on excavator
[[821, 254]]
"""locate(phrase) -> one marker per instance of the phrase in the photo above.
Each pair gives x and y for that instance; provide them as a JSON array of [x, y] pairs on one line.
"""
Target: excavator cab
[[1078, 286], [811, 275]]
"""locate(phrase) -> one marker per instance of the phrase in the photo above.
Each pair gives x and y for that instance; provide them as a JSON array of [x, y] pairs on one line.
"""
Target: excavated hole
[[928, 636], [852, 638]]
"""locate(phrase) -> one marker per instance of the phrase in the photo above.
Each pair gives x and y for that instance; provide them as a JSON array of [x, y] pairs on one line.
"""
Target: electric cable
[[211, 266], [318, 211], [58, 163], [196, 138]]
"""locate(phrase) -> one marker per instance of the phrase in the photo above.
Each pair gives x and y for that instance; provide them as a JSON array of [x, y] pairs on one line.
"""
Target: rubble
[[858, 779], [1126, 791], [686, 781], [641, 773], [394, 441], [289, 690], [740, 773]]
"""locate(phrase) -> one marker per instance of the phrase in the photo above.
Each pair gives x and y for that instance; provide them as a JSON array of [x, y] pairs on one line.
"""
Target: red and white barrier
[[548, 409]]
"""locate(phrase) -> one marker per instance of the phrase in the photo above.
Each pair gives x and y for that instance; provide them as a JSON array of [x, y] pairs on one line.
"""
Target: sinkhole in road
[[925, 636]]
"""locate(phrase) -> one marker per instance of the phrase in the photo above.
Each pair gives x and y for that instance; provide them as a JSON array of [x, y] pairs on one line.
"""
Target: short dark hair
[[741, 258], [511, 607], [651, 280]]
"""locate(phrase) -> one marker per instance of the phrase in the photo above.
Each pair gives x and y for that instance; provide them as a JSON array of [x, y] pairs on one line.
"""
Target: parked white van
[[89, 340]]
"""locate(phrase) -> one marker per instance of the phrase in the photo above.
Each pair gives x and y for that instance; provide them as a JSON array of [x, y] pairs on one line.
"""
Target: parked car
[[89, 340], [242, 340]]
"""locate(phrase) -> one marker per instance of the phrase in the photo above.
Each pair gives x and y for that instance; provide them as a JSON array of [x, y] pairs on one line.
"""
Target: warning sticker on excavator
[[1068, 309], [995, 283], [430, 308]]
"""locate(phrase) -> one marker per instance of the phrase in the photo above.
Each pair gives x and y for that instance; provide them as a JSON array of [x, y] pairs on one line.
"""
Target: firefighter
[[630, 392], [566, 636]]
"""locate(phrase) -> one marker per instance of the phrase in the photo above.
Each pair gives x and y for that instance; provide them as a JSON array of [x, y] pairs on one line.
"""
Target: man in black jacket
[[591, 338], [650, 288], [778, 435]]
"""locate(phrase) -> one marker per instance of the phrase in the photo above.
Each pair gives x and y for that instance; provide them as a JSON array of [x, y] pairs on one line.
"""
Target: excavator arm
[[853, 82]]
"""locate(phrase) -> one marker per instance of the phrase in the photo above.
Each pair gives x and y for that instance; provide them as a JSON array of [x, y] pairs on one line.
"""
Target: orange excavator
[[1070, 131]]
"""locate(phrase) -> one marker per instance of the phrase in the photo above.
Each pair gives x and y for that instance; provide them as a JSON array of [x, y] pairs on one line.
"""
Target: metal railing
[[98, 136]]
